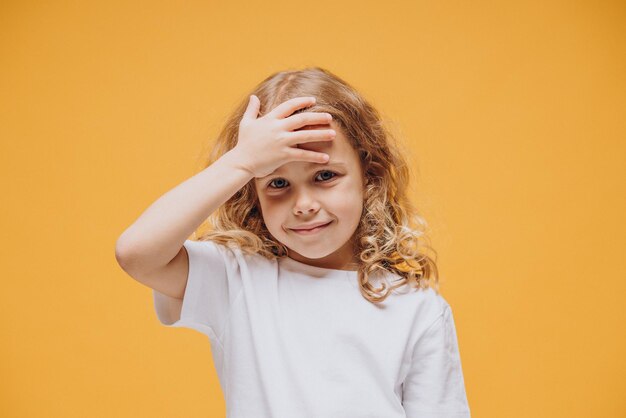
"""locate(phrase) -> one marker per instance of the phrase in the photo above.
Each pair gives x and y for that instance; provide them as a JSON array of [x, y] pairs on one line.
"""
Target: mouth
[[311, 231]]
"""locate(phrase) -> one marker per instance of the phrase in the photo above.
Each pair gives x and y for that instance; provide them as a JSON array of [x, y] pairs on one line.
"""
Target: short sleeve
[[208, 293], [434, 386]]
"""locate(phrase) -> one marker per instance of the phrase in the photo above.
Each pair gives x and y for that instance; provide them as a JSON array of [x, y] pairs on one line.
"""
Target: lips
[[309, 227], [312, 226]]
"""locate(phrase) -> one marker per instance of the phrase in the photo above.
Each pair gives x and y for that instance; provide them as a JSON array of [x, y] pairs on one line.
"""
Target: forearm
[[155, 238]]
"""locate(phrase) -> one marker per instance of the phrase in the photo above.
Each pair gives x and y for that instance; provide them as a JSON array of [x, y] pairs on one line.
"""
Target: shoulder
[[244, 261], [208, 245], [433, 299], [431, 317], [209, 252], [429, 306], [429, 298]]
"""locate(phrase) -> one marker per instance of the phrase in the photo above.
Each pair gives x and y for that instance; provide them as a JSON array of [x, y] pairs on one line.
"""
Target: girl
[[311, 284]]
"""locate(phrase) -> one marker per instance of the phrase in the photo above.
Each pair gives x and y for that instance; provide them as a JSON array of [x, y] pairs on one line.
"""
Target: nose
[[305, 204]]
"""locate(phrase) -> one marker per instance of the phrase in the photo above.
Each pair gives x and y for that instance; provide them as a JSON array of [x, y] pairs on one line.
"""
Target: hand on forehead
[[318, 146]]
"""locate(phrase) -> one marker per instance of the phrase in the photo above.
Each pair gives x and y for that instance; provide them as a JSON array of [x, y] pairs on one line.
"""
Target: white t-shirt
[[293, 340]]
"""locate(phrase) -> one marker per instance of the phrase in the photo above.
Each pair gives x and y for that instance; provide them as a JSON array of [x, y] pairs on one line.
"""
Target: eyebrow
[[311, 165]]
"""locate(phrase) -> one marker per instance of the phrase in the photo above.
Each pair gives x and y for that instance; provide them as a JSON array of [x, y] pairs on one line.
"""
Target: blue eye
[[333, 174], [329, 172], [280, 180]]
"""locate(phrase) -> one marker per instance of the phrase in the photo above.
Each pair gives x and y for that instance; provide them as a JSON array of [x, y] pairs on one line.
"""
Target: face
[[300, 193]]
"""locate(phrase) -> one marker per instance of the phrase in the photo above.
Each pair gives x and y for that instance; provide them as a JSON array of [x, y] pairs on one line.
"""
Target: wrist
[[235, 159]]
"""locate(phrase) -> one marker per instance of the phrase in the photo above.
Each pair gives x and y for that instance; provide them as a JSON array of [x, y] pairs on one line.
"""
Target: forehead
[[339, 150]]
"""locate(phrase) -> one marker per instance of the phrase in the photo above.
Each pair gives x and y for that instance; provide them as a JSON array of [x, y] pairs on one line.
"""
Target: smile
[[311, 231]]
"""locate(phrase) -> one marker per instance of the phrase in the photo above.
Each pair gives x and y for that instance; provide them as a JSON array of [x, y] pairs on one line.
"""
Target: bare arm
[[151, 249], [158, 235]]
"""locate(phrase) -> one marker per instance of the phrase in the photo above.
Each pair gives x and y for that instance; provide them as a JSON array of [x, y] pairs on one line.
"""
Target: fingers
[[311, 135], [252, 111], [288, 107], [308, 118], [299, 154]]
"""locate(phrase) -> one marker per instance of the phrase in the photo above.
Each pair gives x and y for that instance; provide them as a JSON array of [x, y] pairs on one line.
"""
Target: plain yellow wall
[[515, 113]]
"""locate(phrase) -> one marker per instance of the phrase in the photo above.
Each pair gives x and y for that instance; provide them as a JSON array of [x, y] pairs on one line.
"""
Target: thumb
[[253, 108]]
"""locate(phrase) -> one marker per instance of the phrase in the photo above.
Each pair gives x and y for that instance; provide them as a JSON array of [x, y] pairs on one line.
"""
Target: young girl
[[311, 284]]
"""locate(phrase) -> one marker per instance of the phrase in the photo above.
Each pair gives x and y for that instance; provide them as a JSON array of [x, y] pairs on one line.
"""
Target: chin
[[312, 253]]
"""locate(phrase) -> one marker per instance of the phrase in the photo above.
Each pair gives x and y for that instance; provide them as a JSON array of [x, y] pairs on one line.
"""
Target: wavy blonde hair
[[390, 234]]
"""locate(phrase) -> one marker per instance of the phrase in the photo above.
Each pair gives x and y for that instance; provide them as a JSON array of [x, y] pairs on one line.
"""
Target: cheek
[[347, 201], [272, 212], [351, 189]]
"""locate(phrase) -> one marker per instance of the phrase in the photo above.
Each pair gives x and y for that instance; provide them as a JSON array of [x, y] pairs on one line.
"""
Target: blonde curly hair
[[390, 233]]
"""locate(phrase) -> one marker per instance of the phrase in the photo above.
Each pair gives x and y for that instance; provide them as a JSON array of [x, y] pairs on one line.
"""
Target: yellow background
[[515, 112]]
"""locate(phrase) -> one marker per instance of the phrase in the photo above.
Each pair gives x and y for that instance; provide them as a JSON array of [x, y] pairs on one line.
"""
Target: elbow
[[123, 254]]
